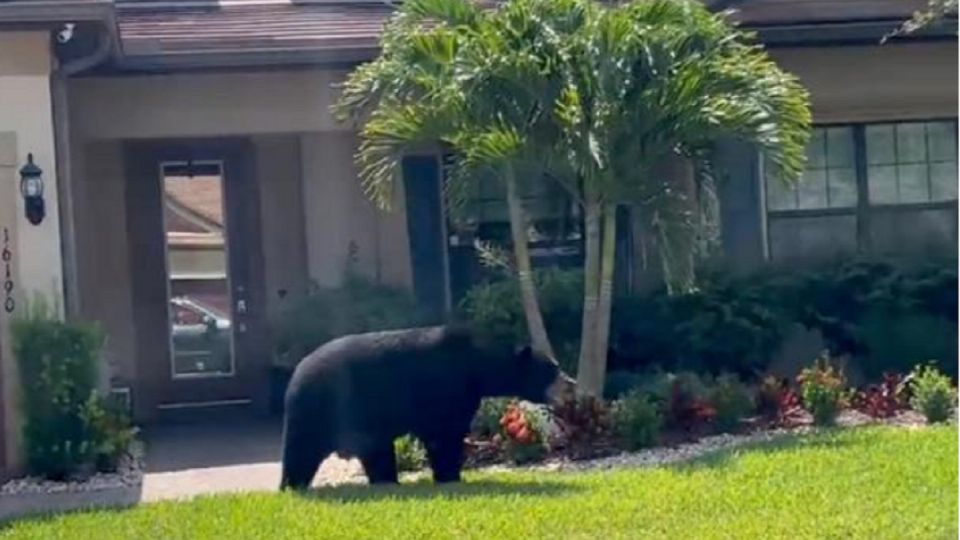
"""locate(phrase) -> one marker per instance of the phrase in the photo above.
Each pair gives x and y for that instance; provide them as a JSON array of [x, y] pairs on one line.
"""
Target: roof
[[185, 33], [760, 13], [54, 11], [262, 26], [198, 199]]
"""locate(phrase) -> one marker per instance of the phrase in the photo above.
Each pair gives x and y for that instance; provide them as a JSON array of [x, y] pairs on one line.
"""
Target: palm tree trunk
[[539, 340], [587, 383], [605, 303]]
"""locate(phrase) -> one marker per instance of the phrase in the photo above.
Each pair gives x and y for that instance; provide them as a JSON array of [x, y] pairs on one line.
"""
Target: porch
[[287, 209]]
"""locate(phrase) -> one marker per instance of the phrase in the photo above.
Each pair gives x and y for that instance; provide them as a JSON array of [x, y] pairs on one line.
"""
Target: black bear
[[356, 394]]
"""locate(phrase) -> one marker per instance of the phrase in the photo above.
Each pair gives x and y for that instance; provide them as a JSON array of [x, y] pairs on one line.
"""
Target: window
[[549, 210], [913, 162], [830, 178]]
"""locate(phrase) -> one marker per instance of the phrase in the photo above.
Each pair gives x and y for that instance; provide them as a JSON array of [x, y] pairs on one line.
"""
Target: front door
[[196, 268]]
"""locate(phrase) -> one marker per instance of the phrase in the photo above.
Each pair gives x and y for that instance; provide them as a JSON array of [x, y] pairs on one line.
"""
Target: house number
[[7, 257]]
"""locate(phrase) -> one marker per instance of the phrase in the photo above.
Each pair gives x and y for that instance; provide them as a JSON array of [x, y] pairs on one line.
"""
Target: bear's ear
[[524, 354]]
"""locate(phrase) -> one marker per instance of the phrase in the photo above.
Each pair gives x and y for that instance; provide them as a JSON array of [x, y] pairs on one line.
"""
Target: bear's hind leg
[[302, 455], [380, 464], [446, 457]]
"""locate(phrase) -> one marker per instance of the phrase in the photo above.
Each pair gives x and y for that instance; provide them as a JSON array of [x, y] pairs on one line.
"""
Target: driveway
[[188, 459]]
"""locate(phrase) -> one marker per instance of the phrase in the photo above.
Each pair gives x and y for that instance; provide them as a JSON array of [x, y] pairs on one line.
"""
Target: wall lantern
[[31, 188]]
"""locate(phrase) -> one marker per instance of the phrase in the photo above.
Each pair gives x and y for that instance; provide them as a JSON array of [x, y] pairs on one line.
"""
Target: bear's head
[[538, 378]]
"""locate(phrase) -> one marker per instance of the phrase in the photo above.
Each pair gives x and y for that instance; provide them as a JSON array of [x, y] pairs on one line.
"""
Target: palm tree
[[649, 82], [601, 96], [450, 71]]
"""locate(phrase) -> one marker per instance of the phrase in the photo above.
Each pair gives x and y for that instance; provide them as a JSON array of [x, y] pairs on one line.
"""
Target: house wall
[[342, 224], [279, 171], [32, 251], [879, 82], [103, 262], [204, 104]]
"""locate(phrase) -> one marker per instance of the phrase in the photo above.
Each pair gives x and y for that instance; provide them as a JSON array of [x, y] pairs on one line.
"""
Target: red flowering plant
[[523, 433], [779, 403], [686, 410], [885, 399], [586, 427]]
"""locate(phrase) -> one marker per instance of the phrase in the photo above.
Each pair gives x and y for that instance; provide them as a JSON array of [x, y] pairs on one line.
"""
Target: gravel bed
[[128, 474]]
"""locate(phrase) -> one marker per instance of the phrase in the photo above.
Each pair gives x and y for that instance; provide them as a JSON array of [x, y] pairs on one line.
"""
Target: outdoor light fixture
[[31, 188]]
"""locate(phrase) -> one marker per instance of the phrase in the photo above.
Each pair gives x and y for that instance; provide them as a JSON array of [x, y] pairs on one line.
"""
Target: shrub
[[637, 420], [683, 399], [724, 326], [882, 400], [111, 432], [494, 311], [486, 423], [886, 314], [778, 402], [586, 424], [410, 454], [523, 431], [732, 401], [359, 305], [822, 390], [933, 395], [58, 373]]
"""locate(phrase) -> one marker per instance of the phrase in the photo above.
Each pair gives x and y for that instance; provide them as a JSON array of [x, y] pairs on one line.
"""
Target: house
[[194, 178]]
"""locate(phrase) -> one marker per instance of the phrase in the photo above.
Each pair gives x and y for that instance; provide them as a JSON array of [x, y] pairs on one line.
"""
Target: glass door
[[198, 277]]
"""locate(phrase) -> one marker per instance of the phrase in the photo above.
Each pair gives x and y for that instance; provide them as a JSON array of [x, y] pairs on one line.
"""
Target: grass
[[858, 483]]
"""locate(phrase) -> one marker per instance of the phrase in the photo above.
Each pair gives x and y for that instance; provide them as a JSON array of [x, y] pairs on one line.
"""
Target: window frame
[[860, 168], [864, 208]]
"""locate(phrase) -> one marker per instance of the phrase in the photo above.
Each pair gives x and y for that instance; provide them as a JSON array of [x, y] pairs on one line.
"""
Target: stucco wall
[[26, 127], [341, 222], [103, 251], [279, 171], [205, 104], [881, 82]]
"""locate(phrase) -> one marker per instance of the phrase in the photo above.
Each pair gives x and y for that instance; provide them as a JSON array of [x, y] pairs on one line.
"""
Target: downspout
[[62, 149]]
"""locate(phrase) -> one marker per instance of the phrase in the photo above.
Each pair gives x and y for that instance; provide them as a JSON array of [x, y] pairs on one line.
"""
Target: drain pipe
[[62, 148]]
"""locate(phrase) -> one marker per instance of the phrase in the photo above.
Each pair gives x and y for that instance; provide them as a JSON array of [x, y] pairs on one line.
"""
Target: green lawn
[[859, 483]]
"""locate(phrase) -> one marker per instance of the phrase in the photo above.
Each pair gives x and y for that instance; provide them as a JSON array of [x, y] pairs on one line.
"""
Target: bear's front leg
[[446, 457], [380, 464]]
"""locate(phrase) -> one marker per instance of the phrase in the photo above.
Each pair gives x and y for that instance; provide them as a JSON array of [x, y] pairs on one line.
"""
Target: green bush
[[933, 395], [410, 454], [58, 365], [112, 434], [724, 326], [822, 390], [732, 401], [882, 312], [323, 314], [885, 313], [637, 420], [494, 311]]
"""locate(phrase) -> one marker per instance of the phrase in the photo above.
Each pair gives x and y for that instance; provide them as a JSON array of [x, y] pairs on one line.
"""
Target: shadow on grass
[[425, 489], [825, 438]]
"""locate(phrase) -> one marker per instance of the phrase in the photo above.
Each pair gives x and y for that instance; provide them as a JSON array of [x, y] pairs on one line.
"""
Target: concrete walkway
[[186, 460]]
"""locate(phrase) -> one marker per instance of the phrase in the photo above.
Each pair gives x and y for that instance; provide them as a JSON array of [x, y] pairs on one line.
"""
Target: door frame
[[156, 389], [441, 235]]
